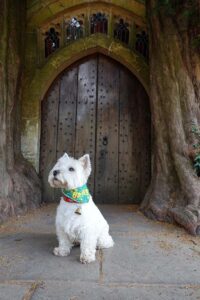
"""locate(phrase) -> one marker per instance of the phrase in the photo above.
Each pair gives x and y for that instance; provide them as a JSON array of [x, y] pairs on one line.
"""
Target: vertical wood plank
[[66, 116], [49, 138], [129, 160], [106, 178], [134, 140], [86, 113], [67, 112]]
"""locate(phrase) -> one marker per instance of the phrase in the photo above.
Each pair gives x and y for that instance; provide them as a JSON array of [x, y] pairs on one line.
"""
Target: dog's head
[[70, 173]]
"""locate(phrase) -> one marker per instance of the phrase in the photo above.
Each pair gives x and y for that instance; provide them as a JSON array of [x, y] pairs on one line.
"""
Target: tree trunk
[[174, 193], [19, 183]]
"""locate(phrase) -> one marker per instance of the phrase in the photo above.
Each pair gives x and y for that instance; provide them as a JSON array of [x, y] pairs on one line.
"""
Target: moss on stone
[[40, 11]]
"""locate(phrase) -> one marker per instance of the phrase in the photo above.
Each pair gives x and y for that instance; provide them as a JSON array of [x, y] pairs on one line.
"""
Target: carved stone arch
[[67, 56], [40, 13]]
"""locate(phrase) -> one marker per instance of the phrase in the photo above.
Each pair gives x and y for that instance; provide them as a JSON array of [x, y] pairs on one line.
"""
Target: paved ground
[[150, 260]]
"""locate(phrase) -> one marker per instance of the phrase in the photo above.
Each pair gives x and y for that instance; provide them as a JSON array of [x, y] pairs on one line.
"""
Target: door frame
[[62, 99], [63, 58]]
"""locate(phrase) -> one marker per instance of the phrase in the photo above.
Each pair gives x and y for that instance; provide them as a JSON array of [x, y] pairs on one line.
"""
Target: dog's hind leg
[[64, 243], [105, 241]]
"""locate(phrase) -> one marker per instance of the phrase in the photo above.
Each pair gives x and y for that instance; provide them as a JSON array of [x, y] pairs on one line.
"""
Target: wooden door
[[98, 107]]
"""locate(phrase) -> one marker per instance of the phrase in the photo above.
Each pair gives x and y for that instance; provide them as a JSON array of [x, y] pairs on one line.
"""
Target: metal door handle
[[105, 140]]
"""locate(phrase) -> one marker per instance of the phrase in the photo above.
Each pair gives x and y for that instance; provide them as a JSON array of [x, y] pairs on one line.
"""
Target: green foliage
[[196, 146], [186, 14], [184, 10], [196, 130], [167, 6], [197, 164], [196, 42]]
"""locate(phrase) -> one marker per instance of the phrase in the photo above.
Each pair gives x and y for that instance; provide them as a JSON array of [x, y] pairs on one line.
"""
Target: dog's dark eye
[[71, 169]]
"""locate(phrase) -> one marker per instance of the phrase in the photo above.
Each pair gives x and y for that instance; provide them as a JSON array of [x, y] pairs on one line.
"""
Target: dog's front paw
[[61, 252], [86, 259]]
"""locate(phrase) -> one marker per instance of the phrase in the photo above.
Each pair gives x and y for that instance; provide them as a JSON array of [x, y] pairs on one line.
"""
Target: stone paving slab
[[62, 290], [150, 260], [29, 257], [94, 291], [10, 291]]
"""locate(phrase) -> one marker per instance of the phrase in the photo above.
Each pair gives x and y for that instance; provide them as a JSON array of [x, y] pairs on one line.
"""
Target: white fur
[[90, 229]]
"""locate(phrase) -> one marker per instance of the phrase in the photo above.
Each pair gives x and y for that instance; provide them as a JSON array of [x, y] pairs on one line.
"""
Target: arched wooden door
[[98, 107]]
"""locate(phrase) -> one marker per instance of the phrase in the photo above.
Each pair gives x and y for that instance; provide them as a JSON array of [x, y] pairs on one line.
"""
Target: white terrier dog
[[78, 219]]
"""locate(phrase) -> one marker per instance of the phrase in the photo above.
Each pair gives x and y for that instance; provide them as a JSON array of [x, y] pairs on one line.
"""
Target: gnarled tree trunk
[[174, 193], [19, 184]]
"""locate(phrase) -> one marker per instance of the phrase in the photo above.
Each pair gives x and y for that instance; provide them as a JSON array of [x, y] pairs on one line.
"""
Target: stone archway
[[43, 78], [97, 106]]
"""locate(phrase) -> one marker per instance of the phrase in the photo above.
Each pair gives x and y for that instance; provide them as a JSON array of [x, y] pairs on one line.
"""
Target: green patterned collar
[[79, 195]]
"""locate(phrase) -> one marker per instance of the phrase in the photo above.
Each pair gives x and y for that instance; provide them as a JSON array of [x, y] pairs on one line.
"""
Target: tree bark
[[174, 193], [19, 183]]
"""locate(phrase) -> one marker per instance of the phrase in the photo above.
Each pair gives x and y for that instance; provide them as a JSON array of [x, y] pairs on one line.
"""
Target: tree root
[[188, 218], [24, 192]]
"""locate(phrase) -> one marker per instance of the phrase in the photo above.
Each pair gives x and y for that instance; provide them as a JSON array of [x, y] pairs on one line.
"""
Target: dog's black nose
[[56, 172]]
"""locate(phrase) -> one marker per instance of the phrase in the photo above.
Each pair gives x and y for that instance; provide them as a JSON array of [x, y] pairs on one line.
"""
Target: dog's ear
[[85, 161], [66, 155]]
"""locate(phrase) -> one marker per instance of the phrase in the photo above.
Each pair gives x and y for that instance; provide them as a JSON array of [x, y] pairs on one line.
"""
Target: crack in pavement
[[101, 259], [108, 284], [34, 286]]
